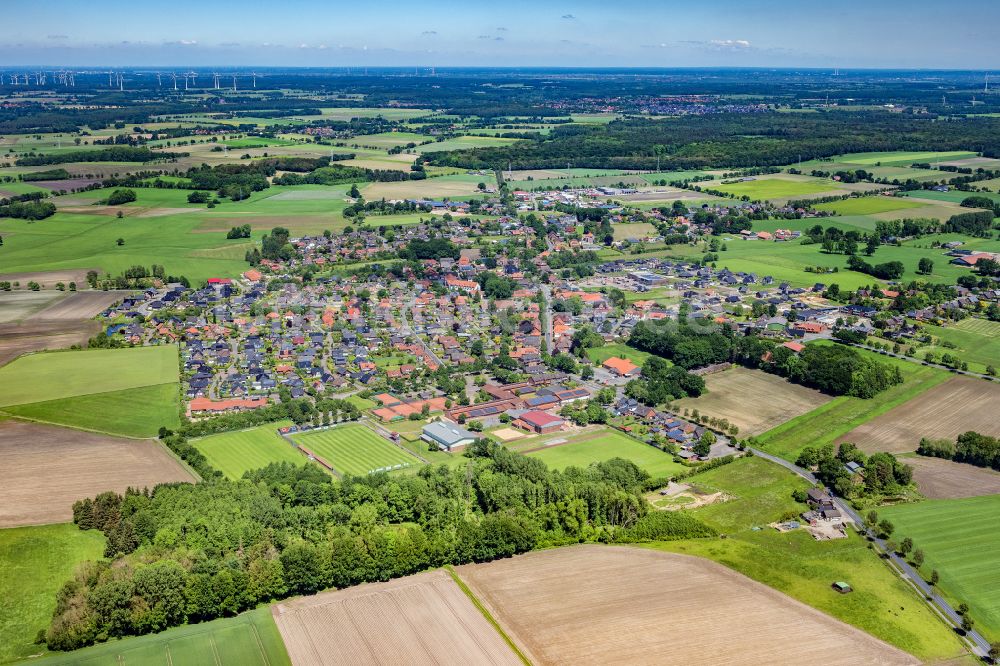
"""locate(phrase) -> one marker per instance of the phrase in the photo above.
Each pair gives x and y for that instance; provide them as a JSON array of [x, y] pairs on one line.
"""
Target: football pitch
[[355, 449]]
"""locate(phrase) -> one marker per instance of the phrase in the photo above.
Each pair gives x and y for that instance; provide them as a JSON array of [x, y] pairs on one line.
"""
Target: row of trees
[[970, 447]]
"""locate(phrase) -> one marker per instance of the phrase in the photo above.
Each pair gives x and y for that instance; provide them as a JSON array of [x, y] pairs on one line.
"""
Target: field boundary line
[[18, 417], [487, 614]]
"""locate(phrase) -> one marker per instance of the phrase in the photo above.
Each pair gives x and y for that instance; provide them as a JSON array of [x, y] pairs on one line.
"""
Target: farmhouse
[[447, 436], [621, 366]]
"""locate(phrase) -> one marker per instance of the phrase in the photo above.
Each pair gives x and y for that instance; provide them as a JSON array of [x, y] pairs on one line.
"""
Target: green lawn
[[961, 541], [796, 564], [826, 423], [759, 492], [34, 564], [234, 453], [135, 412], [605, 447], [774, 188], [249, 639], [601, 354], [870, 205], [355, 449], [54, 375]]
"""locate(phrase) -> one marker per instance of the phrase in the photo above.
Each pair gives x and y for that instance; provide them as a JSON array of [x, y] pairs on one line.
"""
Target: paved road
[[980, 646], [547, 291]]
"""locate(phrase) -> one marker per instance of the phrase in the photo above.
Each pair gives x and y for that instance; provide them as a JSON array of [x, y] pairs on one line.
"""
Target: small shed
[[842, 587]]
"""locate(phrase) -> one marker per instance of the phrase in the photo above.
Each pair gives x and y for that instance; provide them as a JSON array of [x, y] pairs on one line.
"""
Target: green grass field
[[774, 188], [825, 424], [355, 449], [135, 412], [234, 453], [249, 639], [870, 205], [796, 564], [759, 492], [55, 375], [960, 540], [34, 564], [976, 341], [601, 354], [605, 447], [902, 158]]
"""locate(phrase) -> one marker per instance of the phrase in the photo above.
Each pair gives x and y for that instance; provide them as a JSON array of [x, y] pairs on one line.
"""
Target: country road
[[933, 365], [980, 646]]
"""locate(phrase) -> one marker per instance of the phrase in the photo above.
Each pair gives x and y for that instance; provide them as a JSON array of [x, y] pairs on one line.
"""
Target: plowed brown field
[[46, 469], [615, 605], [421, 619]]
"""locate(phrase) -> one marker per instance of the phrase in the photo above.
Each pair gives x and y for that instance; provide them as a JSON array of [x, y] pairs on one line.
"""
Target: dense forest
[[731, 141], [188, 553]]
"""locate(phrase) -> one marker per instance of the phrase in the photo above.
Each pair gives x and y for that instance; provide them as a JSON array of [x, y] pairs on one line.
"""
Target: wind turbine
[[159, 81], [254, 78], [174, 77], [215, 80], [110, 73], [234, 82]]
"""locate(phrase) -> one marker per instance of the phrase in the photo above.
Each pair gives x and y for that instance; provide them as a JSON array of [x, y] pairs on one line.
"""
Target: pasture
[[871, 205], [50, 376], [234, 453], [355, 449], [831, 421], [49, 468], [604, 445], [903, 158], [757, 492], [34, 564], [945, 411], [427, 617], [753, 400], [601, 605], [776, 187], [976, 341], [249, 639], [959, 539]]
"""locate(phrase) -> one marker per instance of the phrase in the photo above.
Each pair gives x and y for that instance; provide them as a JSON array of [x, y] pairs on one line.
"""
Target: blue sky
[[621, 33]]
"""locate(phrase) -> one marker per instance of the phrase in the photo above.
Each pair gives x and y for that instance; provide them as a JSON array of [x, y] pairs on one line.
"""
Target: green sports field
[[250, 639], [134, 412], [960, 540], [54, 375], [355, 449], [234, 453], [34, 564], [605, 447]]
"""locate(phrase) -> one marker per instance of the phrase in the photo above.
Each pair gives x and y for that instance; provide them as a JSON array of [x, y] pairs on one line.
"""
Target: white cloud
[[730, 44]]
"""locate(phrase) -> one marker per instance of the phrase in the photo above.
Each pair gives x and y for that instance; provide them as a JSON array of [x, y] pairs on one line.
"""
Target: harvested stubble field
[[20, 305], [421, 619], [943, 479], [946, 411], [49, 468], [754, 400], [80, 305], [619, 605]]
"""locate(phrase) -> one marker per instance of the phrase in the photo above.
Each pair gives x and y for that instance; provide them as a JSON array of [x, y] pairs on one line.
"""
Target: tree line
[[188, 553]]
